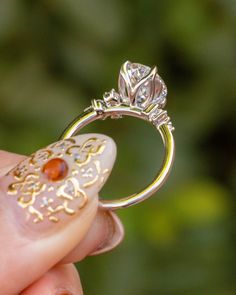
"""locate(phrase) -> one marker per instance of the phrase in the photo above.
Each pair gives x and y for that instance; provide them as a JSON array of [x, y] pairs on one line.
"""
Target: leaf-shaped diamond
[[143, 94]]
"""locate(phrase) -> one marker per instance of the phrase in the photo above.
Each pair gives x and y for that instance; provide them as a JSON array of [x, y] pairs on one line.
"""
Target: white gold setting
[[141, 94], [141, 85], [140, 89]]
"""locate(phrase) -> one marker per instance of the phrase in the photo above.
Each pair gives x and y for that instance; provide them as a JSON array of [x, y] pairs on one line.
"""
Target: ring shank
[[89, 116]]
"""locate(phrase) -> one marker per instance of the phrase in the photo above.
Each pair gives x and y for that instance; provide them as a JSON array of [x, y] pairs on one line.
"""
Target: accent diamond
[[112, 98]]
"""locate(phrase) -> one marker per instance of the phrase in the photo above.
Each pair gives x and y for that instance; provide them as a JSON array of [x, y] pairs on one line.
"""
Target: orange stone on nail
[[55, 169]]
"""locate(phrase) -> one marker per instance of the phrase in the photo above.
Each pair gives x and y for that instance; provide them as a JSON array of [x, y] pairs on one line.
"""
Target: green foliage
[[57, 55]]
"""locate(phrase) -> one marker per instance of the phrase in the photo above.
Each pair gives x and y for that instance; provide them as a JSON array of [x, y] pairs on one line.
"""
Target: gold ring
[[142, 94]]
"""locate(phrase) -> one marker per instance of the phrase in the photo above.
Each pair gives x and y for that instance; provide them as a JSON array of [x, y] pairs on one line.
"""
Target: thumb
[[47, 205]]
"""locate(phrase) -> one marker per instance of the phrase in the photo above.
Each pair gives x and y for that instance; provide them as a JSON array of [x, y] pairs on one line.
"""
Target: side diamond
[[112, 98]]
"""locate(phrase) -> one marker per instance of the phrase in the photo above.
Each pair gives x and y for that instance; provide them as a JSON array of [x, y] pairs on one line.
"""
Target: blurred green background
[[57, 55]]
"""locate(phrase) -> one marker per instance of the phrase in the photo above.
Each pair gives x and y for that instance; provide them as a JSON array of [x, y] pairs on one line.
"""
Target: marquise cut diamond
[[143, 93]]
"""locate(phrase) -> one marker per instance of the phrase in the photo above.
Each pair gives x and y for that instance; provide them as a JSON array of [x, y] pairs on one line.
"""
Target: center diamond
[[141, 86], [137, 72]]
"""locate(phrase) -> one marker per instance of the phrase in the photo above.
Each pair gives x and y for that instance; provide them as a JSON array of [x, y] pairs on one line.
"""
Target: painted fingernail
[[6, 169], [114, 234], [57, 182]]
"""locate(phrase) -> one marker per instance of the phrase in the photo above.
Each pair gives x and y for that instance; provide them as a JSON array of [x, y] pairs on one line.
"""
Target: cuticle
[[63, 291]]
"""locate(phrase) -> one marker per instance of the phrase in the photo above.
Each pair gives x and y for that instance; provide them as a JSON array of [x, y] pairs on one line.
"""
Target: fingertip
[[55, 183], [114, 237], [48, 217], [105, 234]]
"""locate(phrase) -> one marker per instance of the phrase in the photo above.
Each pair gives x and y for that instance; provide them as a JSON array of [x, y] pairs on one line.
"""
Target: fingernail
[[6, 169], [56, 183], [114, 234]]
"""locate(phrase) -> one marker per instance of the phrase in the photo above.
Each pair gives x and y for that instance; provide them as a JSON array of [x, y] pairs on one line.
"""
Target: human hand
[[50, 215]]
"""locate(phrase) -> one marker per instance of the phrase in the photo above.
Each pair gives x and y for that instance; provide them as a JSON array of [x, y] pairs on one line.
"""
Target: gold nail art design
[[39, 156], [49, 194], [92, 173], [82, 153]]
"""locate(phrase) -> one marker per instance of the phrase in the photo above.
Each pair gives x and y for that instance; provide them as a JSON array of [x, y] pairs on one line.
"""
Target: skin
[[33, 263]]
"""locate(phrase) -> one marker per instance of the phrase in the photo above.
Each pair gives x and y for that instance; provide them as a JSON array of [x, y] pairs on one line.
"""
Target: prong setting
[[140, 88]]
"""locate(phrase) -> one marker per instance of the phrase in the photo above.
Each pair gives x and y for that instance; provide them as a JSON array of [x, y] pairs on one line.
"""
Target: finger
[[105, 234], [61, 280], [48, 203]]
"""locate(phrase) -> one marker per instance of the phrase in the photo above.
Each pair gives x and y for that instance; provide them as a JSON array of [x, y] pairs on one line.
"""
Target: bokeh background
[[57, 55]]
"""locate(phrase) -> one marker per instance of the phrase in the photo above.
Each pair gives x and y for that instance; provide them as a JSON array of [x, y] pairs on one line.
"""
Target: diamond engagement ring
[[142, 94]]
